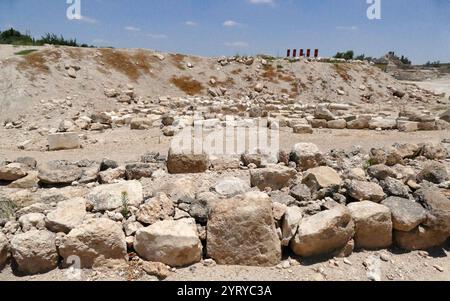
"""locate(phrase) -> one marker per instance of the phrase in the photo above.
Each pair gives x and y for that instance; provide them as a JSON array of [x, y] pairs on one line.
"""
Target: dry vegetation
[[342, 70], [131, 65], [187, 84], [36, 63]]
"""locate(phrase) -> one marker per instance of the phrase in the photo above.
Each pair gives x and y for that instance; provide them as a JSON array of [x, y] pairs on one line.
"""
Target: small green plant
[[125, 209], [369, 162], [25, 52], [279, 66]]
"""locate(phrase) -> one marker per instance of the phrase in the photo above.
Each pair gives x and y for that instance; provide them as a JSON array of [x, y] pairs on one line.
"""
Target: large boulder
[[13, 172], [29, 181], [180, 161], [95, 241], [446, 116], [395, 187], [322, 177], [175, 243], [113, 196], [421, 238], [276, 177], [322, 112], [35, 251], [4, 250], [438, 206], [158, 208], [324, 233], [59, 173], [67, 215], [373, 225], [406, 214], [231, 186], [241, 231], [306, 156], [63, 141], [433, 172], [365, 191]]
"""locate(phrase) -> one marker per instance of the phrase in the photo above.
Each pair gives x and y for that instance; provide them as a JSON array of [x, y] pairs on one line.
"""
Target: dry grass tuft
[[187, 84], [342, 70], [131, 65], [35, 63]]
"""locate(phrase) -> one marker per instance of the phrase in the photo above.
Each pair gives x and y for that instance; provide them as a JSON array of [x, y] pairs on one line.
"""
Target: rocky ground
[[359, 188]]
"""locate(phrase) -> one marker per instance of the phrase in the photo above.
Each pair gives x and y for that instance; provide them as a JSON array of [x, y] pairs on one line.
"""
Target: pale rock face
[[35, 251], [67, 215], [231, 186], [158, 208], [32, 221], [306, 156], [324, 233], [241, 231], [111, 197], [366, 191], [373, 225], [322, 177], [63, 141], [276, 177], [13, 172], [180, 161], [290, 225], [94, 242], [175, 243]]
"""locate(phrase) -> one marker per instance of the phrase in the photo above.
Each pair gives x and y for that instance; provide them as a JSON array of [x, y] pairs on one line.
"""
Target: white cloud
[[191, 23], [237, 44], [132, 28], [230, 23], [157, 36]]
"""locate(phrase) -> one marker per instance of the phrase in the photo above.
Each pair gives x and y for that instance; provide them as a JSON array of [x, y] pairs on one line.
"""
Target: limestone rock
[[59, 173], [366, 191], [321, 177], [13, 172], [113, 196], [63, 141], [323, 233], [157, 209], [67, 215], [306, 156], [276, 177], [373, 225], [94, 241], [231, 186], [179, 162], [421, 238], [35, 251], [175, 243], [406, 214], [241, 231]]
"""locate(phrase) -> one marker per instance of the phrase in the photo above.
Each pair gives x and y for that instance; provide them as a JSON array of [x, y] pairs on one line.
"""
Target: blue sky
[[418, 28]]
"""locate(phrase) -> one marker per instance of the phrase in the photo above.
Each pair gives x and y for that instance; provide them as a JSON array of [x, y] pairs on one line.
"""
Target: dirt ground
[[130, 147], [394, 265]]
